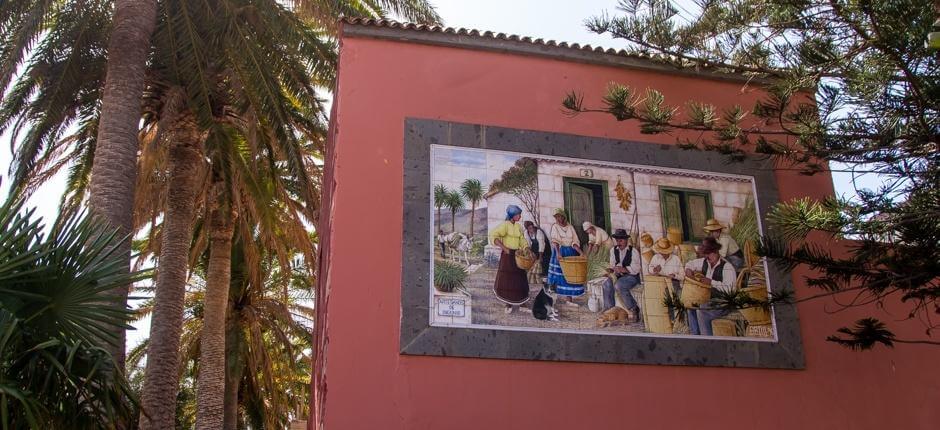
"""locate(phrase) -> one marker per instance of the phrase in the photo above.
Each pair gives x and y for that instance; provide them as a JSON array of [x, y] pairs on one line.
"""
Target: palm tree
[[440, 197], [201, 81], [53, 317], [268, 339], [453, 201], [69, 61], [473, 191], [111, 186]]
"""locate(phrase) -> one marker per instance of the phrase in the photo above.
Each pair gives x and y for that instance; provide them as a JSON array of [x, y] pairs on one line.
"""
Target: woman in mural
[[565, 243], [538, 243], [511, 286], [597, 237]]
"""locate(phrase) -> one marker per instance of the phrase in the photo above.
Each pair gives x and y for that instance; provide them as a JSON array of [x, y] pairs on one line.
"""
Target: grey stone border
[[418, 337]]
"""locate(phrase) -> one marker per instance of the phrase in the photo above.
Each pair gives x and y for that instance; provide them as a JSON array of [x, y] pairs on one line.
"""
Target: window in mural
[[531, 242], [686, 212]]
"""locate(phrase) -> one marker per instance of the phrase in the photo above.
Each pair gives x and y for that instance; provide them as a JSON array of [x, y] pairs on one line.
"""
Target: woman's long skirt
[[556, 278], [511, 286]]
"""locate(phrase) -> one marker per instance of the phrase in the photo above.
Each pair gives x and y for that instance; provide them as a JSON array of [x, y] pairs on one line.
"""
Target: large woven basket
[[655, 313], [525, 261], [756, 314], [574, 269], [694, 293]]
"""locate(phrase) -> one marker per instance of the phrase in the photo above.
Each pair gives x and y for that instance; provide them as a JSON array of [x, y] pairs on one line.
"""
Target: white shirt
[[668, 266], [728, 275], [564, 236], [635, 264], [539, 237], [728, 245], [599, 238]]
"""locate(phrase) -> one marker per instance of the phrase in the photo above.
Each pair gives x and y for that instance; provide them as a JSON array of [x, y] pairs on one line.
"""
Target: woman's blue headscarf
[[511, 211]]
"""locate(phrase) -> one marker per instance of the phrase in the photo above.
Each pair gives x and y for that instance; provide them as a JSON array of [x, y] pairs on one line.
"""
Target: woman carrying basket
[[511, 286], [565, 243]]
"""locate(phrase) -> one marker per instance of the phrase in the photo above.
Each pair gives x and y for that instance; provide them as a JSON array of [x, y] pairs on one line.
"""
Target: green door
[[581, 201]]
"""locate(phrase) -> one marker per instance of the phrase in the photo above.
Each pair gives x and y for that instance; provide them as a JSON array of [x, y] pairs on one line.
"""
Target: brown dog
[[614, 316]]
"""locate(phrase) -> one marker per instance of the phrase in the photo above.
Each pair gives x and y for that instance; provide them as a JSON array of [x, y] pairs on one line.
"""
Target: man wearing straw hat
[[718, 274], [729, 247], [665, 263], [625, 266]]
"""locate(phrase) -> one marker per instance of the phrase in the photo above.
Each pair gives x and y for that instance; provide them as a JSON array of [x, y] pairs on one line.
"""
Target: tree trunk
[[210, 386], [473, 212], [114, 171], [453, 220], [234, 367], [439, 228], [161, 382]]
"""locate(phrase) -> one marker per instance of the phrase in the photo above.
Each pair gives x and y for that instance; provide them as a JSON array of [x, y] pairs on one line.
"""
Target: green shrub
[[449, 276]]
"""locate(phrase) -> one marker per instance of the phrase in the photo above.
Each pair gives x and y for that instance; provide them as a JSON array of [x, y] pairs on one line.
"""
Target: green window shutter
[[672, 210], [698, 213]]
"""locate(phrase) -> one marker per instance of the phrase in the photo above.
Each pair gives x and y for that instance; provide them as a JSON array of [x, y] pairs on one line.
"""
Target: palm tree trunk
[[210, 386], [473, 212], [453, 220], [234, 367], [114, 171], [161, 382], [439, 219]]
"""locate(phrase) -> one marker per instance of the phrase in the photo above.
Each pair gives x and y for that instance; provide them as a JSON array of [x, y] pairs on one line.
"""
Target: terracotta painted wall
[[368, 385]]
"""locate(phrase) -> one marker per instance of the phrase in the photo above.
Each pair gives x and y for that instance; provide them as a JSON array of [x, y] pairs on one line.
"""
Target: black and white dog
[[544, 306]]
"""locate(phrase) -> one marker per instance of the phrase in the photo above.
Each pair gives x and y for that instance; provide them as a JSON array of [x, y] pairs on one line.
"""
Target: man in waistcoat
[[719, 275], [625, 266]]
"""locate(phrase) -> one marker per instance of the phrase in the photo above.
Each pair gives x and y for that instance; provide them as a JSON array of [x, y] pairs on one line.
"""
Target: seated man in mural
[[665, 263], [538, 243], [719, 275], [729, 247], [511, 286], [597, 237], [625, 266]]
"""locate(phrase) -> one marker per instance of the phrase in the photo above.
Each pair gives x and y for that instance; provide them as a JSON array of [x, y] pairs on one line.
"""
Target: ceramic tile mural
[[539, 243]]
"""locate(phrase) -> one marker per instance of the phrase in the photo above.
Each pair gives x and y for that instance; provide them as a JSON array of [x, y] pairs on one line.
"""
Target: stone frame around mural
[[419, 337]]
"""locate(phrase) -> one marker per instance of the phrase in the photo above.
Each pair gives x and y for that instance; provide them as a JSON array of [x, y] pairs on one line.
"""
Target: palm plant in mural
[[440, 198], [472, 190], [454, 201], [54, 321]]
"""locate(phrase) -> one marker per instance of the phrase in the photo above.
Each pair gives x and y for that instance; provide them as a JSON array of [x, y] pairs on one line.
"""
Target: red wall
[[364, 383]]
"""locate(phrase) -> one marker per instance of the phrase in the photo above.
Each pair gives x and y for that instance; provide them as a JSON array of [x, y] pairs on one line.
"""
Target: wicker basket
[[574, 269], [724, 327], [525, 261], [655, 314], [694, 293], [757, 314]]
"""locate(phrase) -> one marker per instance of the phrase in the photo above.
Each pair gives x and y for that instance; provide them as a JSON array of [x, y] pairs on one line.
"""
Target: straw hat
[[561, 212], [663, 246], [646, 239], [713, 224]]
